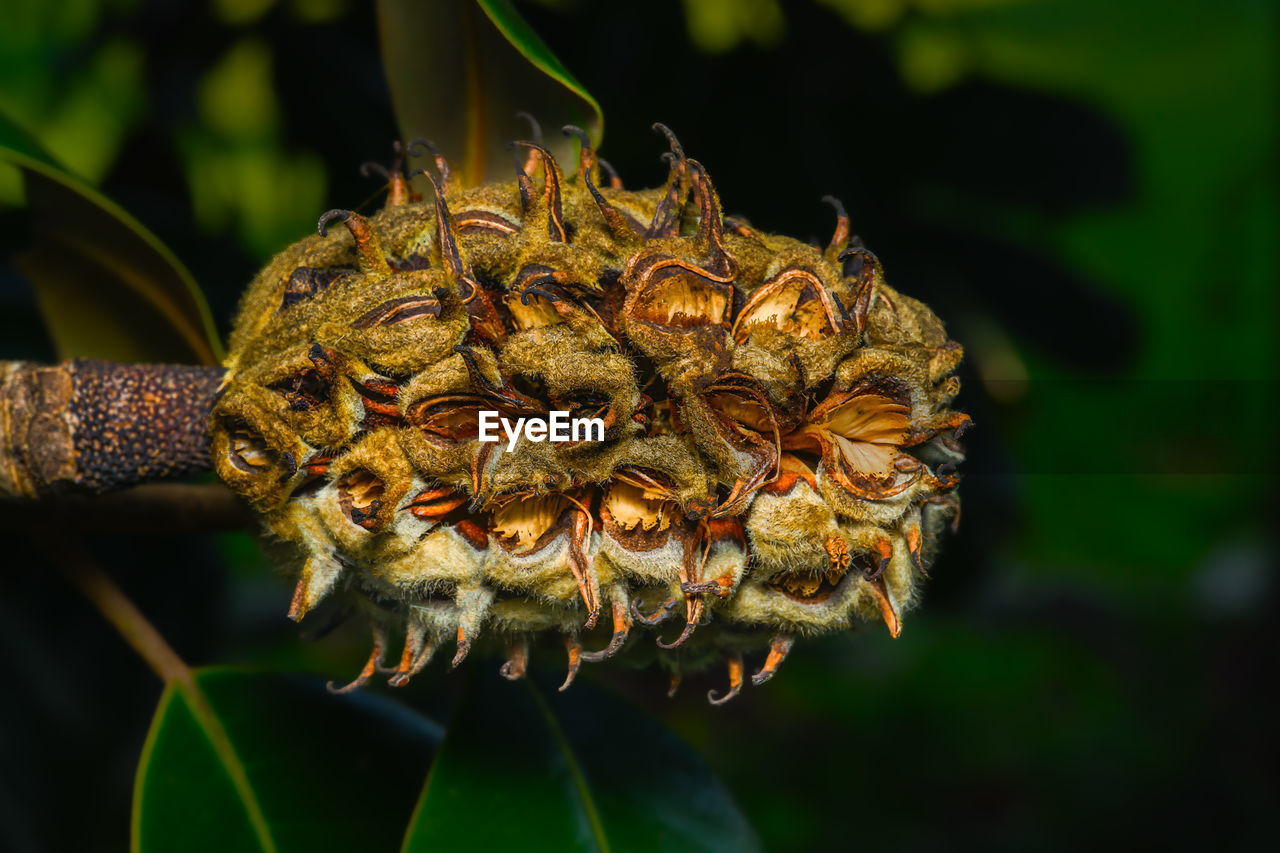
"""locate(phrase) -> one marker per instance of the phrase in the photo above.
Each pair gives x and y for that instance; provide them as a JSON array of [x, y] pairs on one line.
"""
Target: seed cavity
[[249, 452], [360, 496], [533, 313], [304, 390], [795, 302], [522, 521], [450, 418], [399, 310], [483, 221], [677, 296], [380, 397], [307, 282], [633, 506], [434, 504]]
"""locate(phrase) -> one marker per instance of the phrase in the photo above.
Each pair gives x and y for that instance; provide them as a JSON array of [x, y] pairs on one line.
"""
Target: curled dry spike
[[914, 540], [472, 604], [676, 149], [621, 628], [658, 616], [694, 606], [456, 269], [398, 191], [580, 566], [535, 136], [535, 129], [779, 648], [372, 665], [369, 252], [780, 453], [619, 226], [317, 579], [839, 239], [524, 183], [586, 153], [464, 649], [709, 239], [863, 268], [419, 145], [666, 216], [735, 681], [517, 660], [574, 651], [615, 180], [418, 650], [551, 210]]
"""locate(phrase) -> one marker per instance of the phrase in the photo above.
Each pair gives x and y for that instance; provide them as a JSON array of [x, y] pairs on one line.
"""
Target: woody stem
[[94, 426]]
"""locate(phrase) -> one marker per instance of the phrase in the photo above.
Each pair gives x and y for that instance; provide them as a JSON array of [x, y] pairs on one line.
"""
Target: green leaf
[[526, 767], [244, 761], [106, 286], [460, 70]]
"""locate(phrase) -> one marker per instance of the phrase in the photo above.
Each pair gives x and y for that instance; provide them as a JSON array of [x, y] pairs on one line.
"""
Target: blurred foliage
[[1085, 190], [240, 173], [525, 767], [464, 90], [105, 286], [717, 26], [69, 82], [247, 761], [881, 15]]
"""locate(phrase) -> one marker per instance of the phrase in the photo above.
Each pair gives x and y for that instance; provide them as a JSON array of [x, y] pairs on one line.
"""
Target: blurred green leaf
[[106, 286], [460, 70], [238, 760], [526, 767], [244, 174], [17, 143], [1207, 187], [718, 26]]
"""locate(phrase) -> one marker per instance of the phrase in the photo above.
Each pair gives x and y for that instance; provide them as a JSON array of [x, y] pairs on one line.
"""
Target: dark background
[[1085, 191]]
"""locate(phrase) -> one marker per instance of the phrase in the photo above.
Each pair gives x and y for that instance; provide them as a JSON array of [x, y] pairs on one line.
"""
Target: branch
[[93, 426]]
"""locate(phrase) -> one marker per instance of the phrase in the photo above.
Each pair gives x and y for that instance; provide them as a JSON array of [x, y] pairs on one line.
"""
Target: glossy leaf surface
[[251, 761], [526, 767]]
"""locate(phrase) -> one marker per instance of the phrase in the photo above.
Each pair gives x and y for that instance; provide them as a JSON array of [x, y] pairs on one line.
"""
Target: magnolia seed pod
[[712, 440]]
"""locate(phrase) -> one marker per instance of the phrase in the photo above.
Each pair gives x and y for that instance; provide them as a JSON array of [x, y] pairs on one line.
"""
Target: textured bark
[[95, 426]]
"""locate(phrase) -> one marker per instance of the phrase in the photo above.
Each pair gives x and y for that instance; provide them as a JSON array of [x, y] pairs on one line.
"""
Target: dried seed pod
[[775, 453]]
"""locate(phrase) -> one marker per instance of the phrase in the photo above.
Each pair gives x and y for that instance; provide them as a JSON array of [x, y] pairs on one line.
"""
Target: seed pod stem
[[95, 426]]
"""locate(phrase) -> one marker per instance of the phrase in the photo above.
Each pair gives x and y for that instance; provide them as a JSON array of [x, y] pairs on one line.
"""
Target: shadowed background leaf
[[525, 767], [258, 761], [459, 71], [106, 287]]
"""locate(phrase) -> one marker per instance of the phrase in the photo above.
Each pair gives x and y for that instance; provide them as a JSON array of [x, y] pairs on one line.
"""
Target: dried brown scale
[[778, 458]]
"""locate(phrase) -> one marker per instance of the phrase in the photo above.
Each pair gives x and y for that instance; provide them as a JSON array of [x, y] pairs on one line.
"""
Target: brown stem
[[84, 572], [94, 426]]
